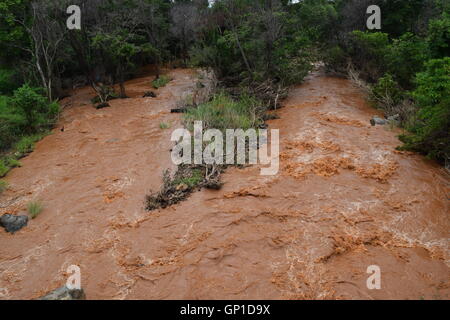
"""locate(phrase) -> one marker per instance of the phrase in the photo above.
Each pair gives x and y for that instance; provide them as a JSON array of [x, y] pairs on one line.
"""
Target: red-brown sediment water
[[343, 200]]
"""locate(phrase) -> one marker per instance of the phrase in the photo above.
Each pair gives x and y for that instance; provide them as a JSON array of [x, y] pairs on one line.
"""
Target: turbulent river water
[[343, 200]]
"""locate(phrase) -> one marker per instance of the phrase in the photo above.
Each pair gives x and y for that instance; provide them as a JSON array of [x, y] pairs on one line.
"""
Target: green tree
[[430, 134], [36, 109]]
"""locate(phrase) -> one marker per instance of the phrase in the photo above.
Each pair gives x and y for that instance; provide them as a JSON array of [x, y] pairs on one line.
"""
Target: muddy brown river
[[343, 200]]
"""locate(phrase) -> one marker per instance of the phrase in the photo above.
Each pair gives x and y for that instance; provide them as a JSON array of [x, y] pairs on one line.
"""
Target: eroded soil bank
[[344, 200]]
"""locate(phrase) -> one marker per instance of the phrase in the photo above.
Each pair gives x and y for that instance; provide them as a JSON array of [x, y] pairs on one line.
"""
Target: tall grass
[[3, 186], [164, 125], [222, 112], [34, 208], [24, 146]]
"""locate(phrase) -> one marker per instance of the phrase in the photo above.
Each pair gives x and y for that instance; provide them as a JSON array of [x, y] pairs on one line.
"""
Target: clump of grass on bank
[[26, 143], [25, 118], [7, 163], [34, 208], [162, 81], [23, 147], [3, 186]]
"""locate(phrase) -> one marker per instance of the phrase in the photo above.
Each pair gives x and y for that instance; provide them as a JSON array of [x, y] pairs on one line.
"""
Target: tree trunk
[[242, 51]]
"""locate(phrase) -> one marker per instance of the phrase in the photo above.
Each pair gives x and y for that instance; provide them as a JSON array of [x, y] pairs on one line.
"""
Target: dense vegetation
[[406, 65], [256, 47]]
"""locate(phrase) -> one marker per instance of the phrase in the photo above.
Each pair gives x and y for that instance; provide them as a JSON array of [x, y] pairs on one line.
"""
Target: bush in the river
[[34, 208], [222, 112], [386, 93], [194, 178], [430, 133], [162, 81]]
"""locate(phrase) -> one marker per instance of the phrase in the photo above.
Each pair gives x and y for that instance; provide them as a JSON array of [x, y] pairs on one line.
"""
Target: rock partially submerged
[[395, 119], [102, 105], [179, 110], [150, 94], [64, 293], [13, 223], [378, 121]]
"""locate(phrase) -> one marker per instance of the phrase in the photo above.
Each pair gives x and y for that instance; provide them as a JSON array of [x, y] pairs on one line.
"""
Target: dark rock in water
[[13, 223], [150, 94], [179, 110], [213, 184], [378, 121], [270, 116], [102, 105], [65, 293]]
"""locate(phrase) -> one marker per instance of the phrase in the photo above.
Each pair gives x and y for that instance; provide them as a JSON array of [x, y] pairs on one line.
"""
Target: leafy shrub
[[26, 144], [162, 81], [335, 59], [430, 133], [439, 36], [34, 208], [368, 51], [292, 70], [386, 93], [406, 57], [35, 107]]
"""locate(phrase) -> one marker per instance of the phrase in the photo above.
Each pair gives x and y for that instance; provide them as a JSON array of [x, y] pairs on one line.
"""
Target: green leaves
[[431, 130], [439, 36], [36, 109]]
